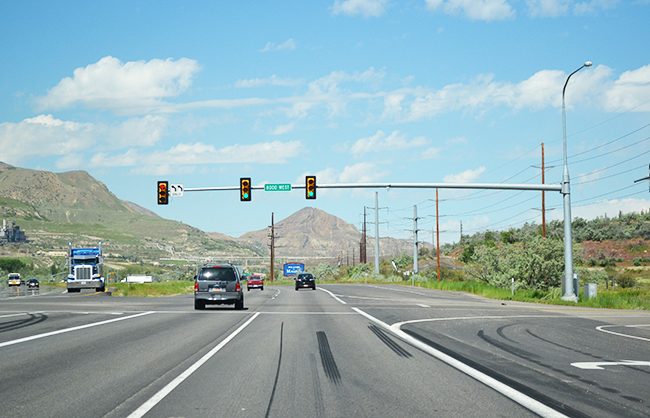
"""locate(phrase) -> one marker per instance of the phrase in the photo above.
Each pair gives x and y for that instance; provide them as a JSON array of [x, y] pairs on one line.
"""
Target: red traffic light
[[163, 192], [310, 187]]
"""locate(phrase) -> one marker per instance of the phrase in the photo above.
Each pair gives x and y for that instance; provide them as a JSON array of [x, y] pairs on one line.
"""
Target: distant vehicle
[[31, 283], [218, 285], [305, 280], [14, 279], [137, 279], [85, 269], [254, 282], [22, 282]]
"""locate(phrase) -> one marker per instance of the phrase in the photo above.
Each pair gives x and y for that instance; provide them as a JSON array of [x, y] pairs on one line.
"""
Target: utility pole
[[437, 235], [543, 197], [377, 233], [461, 232], [272, 245], [415, 240], [362, 244]]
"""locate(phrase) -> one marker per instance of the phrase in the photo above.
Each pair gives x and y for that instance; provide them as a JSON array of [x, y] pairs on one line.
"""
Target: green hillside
[[54, 208]]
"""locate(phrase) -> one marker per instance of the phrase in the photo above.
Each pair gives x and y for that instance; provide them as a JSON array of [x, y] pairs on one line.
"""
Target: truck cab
[[85, 269], [13, 279]]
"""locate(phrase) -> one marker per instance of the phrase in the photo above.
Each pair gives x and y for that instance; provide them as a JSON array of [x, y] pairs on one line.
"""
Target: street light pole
[[568, 292]]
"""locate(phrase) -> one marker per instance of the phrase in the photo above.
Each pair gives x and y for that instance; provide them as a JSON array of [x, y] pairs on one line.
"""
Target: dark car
[[218, 285], [305, 280], [254, 282], [31, 283]]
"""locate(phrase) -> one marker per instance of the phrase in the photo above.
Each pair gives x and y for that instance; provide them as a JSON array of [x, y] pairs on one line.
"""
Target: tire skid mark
[[318, 394], [21, 323], [329, 364], [389, 342], [277, 373]]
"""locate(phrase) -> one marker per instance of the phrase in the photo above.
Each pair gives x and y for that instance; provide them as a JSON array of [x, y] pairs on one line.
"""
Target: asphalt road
[[339, 351]]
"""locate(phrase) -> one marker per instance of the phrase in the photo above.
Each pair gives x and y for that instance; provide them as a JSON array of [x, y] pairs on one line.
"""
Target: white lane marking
[[398, 325], [522, 399], [155, 399], [16, 314], [61, 331], [398, 290], [597, 365], [277, 293], [332, 295], [422, 305], [600, 328]]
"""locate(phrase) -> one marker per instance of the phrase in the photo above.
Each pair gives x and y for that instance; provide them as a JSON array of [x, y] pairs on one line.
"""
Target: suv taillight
[[238, 286], [196, 286]]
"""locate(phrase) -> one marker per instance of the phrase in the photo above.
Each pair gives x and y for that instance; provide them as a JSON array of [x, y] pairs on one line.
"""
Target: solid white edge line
[[332, 295], [600, 328], [155, 399], [61, 331], [520, 398]]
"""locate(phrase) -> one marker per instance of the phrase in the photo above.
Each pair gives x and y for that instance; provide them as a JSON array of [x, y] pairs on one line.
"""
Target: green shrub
[[626, 279]]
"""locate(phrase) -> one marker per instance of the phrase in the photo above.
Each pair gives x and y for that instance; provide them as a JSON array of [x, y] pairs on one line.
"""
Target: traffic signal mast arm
[[497, 186]]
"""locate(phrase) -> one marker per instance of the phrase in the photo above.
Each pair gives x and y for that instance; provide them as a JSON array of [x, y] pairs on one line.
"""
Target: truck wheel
[[239, 305], [198, 305], [101, 289]]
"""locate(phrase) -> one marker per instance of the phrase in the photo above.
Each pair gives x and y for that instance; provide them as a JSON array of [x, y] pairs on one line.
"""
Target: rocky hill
[[54, 208], [312, 232]]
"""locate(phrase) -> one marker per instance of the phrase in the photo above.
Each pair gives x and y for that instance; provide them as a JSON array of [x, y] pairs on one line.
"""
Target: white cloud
[[122, 87], [630, 92], [269, 81], [466, 176], [290, 44], [590, 7], [486, 10], [283, 129], [430, 153], [609, 207], [361, 173], [380, 142], [365, 8], [70, 162], [541, 90], [43, 136], [548, 8], [275, 152]]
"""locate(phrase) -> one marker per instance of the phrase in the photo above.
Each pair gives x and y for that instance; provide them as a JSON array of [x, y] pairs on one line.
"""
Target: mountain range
[[54, 208]]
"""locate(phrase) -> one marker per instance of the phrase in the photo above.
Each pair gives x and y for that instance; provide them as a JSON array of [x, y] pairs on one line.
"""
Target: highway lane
[[313, 353]]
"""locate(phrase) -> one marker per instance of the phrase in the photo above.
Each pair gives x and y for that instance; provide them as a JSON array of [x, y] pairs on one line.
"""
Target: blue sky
[[203, 93]]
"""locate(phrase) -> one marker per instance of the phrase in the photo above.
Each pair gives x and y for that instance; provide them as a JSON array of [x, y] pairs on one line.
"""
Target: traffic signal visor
[[245, 189], [310, 187], [163, 192]]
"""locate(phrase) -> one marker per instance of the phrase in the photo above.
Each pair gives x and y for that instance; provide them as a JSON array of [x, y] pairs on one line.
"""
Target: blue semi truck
[[85, 267]]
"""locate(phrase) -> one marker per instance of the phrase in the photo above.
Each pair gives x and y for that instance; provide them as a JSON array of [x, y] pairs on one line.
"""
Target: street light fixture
[[568, 291]]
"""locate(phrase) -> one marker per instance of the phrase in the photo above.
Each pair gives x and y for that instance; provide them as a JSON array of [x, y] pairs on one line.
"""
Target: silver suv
[[218, 285]]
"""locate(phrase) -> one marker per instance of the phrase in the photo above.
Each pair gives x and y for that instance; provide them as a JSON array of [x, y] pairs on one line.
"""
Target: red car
[[255, 282]]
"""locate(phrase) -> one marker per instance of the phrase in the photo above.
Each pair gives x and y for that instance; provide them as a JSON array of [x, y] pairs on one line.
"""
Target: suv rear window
[[223, 274]]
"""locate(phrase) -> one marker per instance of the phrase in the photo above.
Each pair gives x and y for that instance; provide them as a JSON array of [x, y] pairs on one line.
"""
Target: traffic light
[[163, 192], [310, 187], [245, 189]]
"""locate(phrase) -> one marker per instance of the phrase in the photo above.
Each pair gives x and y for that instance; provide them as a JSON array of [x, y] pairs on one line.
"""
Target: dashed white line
[[155, 399]]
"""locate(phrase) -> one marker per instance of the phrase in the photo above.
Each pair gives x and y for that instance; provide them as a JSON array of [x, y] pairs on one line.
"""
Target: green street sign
[[281, 187]]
